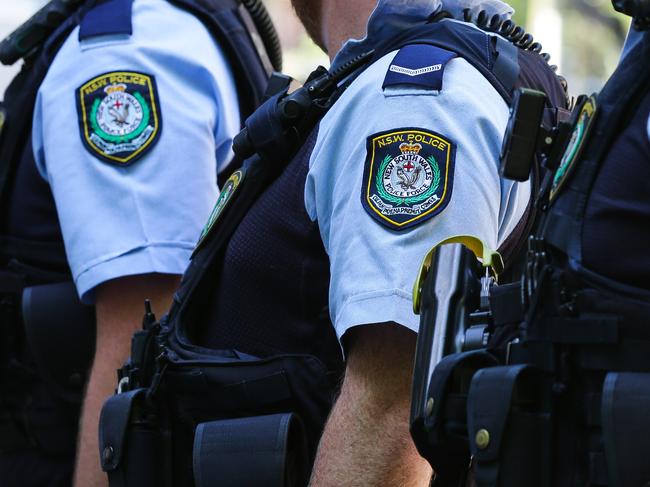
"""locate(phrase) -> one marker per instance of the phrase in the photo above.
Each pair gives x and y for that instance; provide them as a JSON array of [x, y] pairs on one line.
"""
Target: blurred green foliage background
[[584, 37]]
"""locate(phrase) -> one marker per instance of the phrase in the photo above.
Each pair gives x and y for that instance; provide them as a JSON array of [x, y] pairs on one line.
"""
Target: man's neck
[[343, 20]]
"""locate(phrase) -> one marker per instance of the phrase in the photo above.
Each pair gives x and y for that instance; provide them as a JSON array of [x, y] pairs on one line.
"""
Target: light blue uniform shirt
[[373, 268], [145, 217]]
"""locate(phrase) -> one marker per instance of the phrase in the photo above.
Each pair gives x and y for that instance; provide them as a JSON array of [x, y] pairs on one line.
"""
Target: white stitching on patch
[[414, 72]]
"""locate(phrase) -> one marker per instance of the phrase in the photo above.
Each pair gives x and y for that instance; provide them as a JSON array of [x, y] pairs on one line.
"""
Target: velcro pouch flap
[[445, 370], [114, 426], [488, 407], [441, 438]]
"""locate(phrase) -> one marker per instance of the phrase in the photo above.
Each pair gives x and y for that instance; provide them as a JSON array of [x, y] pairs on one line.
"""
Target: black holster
[[43, 374], [60, 333]]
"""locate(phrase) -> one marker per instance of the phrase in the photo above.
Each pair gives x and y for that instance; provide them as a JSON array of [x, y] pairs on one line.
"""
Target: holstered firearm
[[451, 295], [472, 412]]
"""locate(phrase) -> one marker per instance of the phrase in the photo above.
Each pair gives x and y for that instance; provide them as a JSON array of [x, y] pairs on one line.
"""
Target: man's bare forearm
[[119, 314], [366, 442]]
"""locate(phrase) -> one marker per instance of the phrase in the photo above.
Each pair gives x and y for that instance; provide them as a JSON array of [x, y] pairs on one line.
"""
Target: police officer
[[595, 280], [135, 104], [322, 259], [568, 404]]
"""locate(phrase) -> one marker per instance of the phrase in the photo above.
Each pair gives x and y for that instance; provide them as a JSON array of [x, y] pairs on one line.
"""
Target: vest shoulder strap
[[225, 19], [19, 100]]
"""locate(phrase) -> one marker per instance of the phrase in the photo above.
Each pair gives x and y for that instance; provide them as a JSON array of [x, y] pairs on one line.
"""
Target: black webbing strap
[[587, 329], [506, 304], [222, 20], [20, 98], [627, 354], [506, 63]]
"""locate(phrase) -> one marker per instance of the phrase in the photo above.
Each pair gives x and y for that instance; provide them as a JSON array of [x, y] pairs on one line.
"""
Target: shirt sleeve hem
[[158, 259], [394, 305]]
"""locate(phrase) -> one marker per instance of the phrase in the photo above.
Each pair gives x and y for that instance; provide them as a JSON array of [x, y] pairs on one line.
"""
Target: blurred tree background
[[584, 37]]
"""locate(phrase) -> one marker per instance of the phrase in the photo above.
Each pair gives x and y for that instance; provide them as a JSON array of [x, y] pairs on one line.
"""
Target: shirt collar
[[391, 17]]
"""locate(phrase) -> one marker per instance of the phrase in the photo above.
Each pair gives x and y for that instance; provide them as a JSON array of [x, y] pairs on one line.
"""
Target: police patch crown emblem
[[119, 116], [408, 176]]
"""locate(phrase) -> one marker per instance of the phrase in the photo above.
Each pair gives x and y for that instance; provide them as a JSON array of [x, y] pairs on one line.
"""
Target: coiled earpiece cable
[[514, 33]]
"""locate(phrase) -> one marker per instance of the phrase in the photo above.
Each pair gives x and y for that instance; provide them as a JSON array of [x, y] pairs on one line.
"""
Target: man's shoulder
[[151, 24], [395, 82]]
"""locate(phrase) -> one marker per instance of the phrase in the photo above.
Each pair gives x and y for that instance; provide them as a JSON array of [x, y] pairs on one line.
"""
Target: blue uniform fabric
[[107, 18], [373, 268], [616, 233], [632, 39], [146, 217]]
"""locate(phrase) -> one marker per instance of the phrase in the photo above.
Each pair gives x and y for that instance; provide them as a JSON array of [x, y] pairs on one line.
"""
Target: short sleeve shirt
[[144, 217], [373, 268]]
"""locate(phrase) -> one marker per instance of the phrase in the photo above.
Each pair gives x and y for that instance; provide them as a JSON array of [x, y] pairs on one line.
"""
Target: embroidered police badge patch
[[223, 201], [575, 146], [119, 116], [408, 176]]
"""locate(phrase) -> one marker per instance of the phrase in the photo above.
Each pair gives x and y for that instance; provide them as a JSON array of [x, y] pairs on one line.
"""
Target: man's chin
[[309, 13]]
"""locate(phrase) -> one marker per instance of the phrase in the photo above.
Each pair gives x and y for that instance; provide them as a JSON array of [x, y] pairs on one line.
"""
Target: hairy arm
[[366, 442], [119, 311]]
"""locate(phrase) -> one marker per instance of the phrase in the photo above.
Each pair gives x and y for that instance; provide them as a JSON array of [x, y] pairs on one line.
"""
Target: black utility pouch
[[130, 443], [626, 428], [239, 415], [240, 452], [441, 436], [509, 426]]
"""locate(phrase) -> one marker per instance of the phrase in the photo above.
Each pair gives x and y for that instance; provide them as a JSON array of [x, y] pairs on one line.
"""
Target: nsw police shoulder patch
[[408, 176], [119, 116]]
